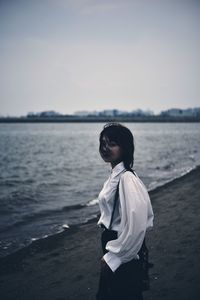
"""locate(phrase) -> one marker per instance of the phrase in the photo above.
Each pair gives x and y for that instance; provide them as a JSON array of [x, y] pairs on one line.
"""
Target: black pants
[[125, 282]]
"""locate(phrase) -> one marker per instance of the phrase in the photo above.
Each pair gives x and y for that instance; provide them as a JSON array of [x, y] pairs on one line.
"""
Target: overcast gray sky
[[69, 55]]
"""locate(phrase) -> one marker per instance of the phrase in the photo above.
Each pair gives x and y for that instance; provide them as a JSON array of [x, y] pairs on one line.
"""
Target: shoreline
[[66, 265], [177, 178], [37, 241]]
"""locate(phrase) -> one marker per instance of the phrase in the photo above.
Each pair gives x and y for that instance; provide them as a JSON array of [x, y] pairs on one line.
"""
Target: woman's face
[[110, 151]]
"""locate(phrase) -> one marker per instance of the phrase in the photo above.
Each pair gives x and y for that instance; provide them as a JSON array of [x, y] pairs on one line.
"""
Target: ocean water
[[51, 173]]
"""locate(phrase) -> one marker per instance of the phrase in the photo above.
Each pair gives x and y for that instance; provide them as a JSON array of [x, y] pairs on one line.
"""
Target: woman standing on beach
[[126, 214]]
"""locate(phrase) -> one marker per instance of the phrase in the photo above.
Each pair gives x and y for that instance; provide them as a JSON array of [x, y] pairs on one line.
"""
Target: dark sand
[[66, 266]]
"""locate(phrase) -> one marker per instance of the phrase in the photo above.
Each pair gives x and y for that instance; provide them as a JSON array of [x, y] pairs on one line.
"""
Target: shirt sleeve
[[134, 216]]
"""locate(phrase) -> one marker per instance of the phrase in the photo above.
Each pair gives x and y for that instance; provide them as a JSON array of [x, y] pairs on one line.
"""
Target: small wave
[[191, 157], [165, 167], [168, 166], [152, 185], [34, 239], [62, 228], [188, 170], [65, 226], [73, 207], [93, 202]]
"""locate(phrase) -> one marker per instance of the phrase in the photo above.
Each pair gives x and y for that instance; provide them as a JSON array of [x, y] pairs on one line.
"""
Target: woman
[[126, 214]]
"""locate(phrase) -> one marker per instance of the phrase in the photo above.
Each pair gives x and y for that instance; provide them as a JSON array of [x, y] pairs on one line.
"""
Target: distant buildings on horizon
[[115, 113], [173, 112], [177, 112]]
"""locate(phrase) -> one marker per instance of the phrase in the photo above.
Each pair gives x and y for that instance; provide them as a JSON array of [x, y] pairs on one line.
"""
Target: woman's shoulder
[[128, 175], [128, 178]]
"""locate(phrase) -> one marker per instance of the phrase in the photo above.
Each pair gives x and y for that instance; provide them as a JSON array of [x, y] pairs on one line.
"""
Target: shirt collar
[[117, 169]]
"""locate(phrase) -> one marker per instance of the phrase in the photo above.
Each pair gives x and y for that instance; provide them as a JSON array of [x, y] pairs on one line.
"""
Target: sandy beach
[[66, 266]]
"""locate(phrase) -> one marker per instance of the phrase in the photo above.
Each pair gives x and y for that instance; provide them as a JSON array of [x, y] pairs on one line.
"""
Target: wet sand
[[66, 266]]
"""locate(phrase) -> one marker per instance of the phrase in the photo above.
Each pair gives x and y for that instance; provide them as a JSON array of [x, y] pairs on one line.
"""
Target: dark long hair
[[123, 137]]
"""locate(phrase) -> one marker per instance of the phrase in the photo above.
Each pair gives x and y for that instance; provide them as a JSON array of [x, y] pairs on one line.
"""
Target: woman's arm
[[134, 202]]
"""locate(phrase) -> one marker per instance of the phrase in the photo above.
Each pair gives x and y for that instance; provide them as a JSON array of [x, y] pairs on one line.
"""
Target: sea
[[51, 173]]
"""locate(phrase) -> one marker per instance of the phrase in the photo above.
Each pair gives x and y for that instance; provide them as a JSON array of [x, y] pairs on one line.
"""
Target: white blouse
[[132, 218]]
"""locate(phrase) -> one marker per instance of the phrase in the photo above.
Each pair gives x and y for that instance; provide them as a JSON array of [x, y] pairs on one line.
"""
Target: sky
[[77, 55]]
